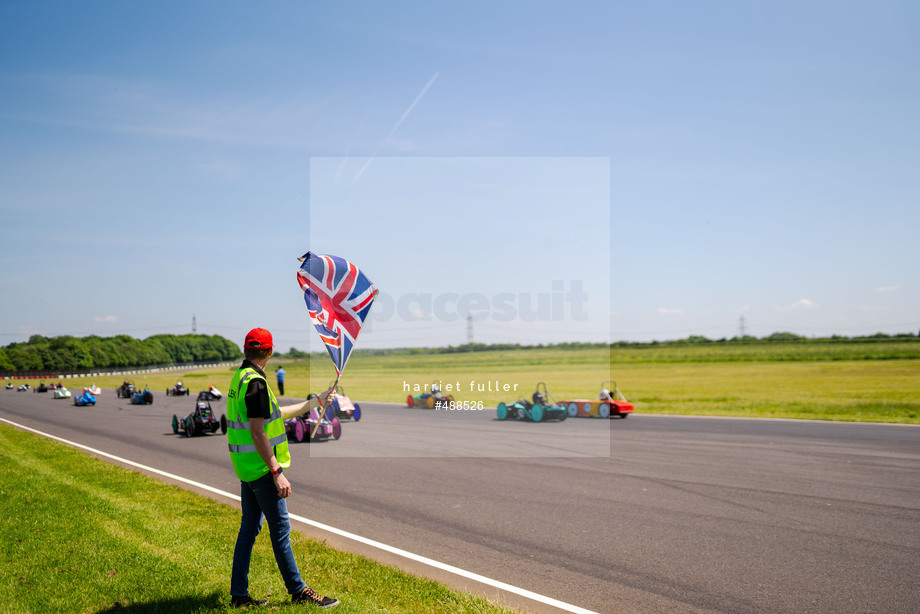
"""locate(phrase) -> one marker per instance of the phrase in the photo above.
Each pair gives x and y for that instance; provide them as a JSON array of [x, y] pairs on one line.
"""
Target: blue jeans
[[260, 499]]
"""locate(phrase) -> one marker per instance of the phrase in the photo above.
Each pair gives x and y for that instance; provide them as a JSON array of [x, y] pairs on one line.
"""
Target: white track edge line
[[363, 540]]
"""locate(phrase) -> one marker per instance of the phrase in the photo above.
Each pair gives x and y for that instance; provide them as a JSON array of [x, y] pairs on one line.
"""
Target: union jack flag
[[338, 298]]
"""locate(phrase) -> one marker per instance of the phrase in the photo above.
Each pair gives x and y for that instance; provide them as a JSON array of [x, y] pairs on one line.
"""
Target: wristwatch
[[277, 471]]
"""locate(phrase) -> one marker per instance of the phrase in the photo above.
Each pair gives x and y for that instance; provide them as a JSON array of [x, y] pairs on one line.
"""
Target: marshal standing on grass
[[279, 376], [259, 450]]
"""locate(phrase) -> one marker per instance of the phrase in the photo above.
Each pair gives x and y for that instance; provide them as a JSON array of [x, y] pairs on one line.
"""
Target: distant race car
[[300, 428], [542, 406], [43, 387], [23, 387], [341, 406], [125, 390], [62, 393], [607, 404], [142, 397], [213, 393], [434, 399], [178, 390], [86, 398], [96, 390], [9, 386], [200, 421]]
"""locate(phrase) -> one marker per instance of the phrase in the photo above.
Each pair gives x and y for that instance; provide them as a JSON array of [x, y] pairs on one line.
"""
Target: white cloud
[[800, 305], [888, 288], [670, 310], [105, 319]]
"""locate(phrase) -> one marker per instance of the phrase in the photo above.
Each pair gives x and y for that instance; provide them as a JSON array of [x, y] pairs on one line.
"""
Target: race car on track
[[22, 387], [434, 399], [126, 390], [301, 427], [62, 393], [96, 390], [200, 421], [341, 406], [607, 404], [178, 390], [142, 397], [542, 406], [86, 398], [213, 393], [9, 386], [43, 387]]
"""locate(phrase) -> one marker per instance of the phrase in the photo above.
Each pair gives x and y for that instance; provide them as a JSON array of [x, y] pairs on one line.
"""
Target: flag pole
[[325, 405]]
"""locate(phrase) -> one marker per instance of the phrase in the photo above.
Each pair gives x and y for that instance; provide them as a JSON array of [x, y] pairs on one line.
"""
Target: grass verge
[[858, 391], [78, 534]]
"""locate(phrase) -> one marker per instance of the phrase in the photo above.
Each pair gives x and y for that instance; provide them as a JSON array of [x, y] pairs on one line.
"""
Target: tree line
[[74, 354], [781, 337]]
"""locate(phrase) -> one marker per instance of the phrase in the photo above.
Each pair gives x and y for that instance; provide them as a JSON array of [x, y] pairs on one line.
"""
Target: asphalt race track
[[649, 514]]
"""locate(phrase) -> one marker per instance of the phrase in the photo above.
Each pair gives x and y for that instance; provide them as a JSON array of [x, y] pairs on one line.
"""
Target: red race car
[[607, 404], [341, 406]]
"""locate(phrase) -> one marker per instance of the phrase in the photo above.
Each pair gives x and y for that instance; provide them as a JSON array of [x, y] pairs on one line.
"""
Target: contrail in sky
[[396, 127], [358, 133]]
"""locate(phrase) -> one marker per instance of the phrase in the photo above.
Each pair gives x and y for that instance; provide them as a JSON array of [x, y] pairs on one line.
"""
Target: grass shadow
[[175, 605]]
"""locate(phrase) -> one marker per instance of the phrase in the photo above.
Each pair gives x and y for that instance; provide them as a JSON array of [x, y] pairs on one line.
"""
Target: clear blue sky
[[689, 163]]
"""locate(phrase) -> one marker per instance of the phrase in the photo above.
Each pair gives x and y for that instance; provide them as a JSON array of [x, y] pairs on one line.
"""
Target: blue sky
[[170, 159]]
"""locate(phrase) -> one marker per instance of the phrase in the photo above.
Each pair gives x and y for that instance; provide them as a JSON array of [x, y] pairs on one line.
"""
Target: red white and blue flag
[[338, 297]]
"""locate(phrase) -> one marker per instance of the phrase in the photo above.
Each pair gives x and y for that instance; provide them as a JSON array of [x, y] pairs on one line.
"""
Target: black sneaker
[[246, 601], [308, 595]]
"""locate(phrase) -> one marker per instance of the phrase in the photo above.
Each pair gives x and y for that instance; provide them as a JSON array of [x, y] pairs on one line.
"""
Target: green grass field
[[863, 391], [793, 351], [854, 381], [81, 535]]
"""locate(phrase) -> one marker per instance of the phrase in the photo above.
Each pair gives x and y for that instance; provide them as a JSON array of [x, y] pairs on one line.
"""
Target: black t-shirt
[[257, 402]]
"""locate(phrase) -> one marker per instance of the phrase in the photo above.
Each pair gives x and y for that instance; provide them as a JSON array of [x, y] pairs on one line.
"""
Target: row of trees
[[783, 337], [74, 354]]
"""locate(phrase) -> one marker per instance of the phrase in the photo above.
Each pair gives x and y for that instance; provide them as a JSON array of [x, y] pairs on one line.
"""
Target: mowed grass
[[865, 381], [862, 391], [789, 351], [81, 535]]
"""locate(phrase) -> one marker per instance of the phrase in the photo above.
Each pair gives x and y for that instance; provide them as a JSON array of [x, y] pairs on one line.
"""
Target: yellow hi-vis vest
[[247, 463]]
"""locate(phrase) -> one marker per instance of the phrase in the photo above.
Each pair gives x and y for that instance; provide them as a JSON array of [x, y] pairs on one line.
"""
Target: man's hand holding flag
[[338, 297]]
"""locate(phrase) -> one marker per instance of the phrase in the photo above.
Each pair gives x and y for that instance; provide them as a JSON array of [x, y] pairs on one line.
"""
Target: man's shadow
[[175, 605]]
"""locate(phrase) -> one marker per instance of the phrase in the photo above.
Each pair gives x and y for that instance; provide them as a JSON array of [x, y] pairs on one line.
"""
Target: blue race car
[[87, 398], [543, 407], [142, 397]]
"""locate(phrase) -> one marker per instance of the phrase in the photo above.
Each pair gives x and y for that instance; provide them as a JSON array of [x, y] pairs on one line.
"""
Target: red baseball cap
[[258, 338]]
